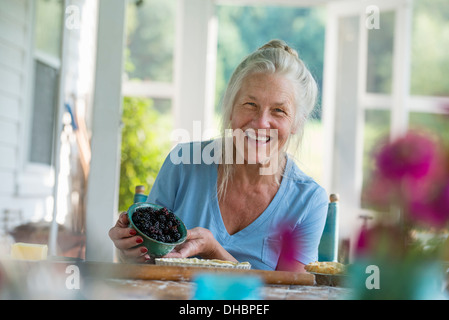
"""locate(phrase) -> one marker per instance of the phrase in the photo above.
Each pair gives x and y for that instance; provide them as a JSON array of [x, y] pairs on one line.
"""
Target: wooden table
[[92, 280], [171, 282], [183, 290]]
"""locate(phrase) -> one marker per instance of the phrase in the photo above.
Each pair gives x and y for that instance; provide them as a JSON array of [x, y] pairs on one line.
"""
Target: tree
[[150, 40], [430, 43], [144, 146]]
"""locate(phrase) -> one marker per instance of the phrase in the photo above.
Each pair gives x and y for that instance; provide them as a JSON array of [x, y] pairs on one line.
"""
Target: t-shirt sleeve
[[308, 232], [165, 187]]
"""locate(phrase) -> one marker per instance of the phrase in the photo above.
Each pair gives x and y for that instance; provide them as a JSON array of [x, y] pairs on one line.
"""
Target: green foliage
[[48, 26], [434, 125], [150, 40], [430, 43], [145, 144], [146, 131]]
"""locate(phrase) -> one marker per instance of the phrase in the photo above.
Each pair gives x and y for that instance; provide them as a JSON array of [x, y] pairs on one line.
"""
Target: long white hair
[[275, 57]]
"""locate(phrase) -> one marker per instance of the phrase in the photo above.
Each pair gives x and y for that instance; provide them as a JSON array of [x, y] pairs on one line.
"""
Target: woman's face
[[263, 116]]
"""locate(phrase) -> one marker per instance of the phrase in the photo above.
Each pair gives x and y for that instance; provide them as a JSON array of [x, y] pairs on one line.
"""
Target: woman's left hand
[[200, 242]]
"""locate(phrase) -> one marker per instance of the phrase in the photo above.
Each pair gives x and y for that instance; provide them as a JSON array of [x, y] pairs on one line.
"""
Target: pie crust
[[326, 267], [207, 263]]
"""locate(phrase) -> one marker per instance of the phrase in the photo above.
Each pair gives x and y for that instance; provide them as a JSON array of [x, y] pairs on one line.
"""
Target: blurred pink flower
[[410, 156], [445, 108], [432, 210], [289, 248], [362, 244], [380, 192], [413, 173]]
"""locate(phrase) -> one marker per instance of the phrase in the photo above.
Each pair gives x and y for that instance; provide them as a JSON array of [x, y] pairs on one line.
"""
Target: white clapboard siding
[[8, 157], [14, 45], [13, 30], [11, 57], [27, 187], [15, 9], [7, 183], [15, 50], [9, 133], [9, 107], [10, 82], [15, 212]]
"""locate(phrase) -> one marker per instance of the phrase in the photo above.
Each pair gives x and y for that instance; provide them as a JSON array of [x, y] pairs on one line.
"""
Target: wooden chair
[[328, 248], [140, 194]]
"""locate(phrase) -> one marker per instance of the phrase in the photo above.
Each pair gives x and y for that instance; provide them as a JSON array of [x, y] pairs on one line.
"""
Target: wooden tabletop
[[100, 280], [184, 290], [139, 281]]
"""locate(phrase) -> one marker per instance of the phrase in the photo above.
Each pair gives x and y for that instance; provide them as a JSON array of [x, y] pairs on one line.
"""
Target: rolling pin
[[178, 273]]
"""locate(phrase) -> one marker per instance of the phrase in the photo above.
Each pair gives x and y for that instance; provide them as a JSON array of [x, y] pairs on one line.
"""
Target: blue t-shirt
[[189, 188]]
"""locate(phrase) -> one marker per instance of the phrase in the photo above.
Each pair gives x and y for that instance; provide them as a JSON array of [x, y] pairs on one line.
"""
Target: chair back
[[139, 195], [328, 248]]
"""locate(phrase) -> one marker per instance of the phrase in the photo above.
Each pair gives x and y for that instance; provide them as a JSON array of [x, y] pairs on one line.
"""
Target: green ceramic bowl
[[156, 248]]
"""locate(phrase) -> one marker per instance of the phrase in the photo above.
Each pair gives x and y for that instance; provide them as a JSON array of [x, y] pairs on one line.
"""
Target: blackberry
[[158, 224]]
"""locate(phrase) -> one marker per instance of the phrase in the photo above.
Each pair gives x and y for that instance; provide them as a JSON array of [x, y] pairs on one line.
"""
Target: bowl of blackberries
[[160, 229]]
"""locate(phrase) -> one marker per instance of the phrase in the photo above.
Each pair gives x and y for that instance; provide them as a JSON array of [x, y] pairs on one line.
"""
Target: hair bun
[[279, 44]]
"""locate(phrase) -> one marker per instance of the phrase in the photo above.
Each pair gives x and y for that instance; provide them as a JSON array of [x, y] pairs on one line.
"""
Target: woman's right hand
[[126, 240]]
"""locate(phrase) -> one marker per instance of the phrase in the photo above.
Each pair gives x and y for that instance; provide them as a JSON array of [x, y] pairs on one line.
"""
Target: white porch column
[[102, 196], [401, 69], [195, 59], [342, 115]]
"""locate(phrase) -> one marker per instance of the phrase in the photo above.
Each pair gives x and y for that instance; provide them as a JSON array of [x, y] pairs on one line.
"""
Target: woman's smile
[[255, 136]]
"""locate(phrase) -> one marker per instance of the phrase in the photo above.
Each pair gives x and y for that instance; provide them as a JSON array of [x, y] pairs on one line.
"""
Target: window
[[429, 87], [376, 100], [433, 123], [376, 128], [150, 40], [43, 122], [148, 94], [430, 43], [380, 56], [46, 62], [48, 27], [149, 54]]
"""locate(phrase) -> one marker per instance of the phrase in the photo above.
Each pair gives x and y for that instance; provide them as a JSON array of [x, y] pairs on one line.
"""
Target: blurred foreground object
[[29, 251], [402, 255], [139, 195], [227, 287], [328, 248], [412, 174]]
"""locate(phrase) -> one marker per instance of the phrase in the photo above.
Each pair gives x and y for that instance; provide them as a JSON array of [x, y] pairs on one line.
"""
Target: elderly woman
[[254, 204]]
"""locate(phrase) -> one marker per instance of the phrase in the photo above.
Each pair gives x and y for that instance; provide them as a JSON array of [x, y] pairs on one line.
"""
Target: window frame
[[34, 173], [154, 89], [400, 102]]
